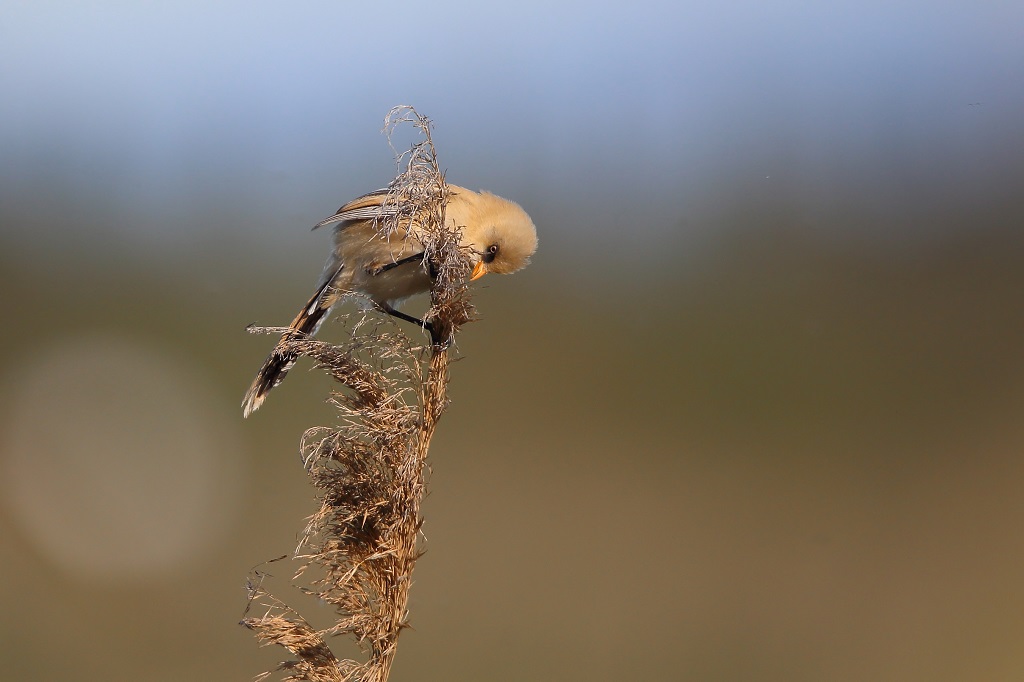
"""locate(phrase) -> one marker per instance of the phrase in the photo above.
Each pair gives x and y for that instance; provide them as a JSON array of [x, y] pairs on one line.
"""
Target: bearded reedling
[[497, 234]]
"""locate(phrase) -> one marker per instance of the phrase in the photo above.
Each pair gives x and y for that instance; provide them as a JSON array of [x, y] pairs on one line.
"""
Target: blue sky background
[[640, 116]]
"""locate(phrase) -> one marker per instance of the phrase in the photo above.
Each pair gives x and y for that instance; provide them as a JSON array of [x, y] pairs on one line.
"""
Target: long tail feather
[[277, 364]]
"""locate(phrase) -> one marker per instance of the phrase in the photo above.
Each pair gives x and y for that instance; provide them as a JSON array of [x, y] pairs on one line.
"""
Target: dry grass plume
[[357, 552]]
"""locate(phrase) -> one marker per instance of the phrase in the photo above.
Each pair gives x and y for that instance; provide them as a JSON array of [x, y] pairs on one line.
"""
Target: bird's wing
[[366, 207]]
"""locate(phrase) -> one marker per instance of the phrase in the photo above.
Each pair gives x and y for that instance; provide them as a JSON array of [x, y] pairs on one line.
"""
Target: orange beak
[[479, 270]]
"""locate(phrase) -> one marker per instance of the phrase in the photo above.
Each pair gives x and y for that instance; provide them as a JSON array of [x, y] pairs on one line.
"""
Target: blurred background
[[754, 412]]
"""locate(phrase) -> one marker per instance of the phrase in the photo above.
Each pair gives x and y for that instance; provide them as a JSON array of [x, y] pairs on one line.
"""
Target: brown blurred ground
[[790, 454]]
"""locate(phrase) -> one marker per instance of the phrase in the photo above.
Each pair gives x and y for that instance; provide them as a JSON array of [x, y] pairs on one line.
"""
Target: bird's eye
[[490, 253]]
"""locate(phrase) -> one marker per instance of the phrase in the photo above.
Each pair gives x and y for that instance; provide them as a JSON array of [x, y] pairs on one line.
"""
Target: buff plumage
[[497, 234]]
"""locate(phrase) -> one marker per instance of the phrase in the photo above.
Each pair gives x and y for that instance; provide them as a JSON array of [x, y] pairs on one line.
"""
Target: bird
[[497, 234]]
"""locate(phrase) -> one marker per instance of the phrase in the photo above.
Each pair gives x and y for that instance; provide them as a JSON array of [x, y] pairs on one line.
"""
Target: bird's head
[[498, 233]]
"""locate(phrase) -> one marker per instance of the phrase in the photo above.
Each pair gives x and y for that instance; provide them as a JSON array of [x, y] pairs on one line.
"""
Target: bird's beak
[[479, 270]]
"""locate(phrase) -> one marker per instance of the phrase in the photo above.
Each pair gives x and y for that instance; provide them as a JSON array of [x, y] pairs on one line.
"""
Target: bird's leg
[[389, 266], [416, 258], [408, 318], [402, 316]]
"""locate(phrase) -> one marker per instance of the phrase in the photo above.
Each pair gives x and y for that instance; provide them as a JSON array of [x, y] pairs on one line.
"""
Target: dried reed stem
[[358, 550]]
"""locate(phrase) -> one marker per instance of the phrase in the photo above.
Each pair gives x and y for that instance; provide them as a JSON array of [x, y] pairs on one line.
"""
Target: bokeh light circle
[[117, 461]]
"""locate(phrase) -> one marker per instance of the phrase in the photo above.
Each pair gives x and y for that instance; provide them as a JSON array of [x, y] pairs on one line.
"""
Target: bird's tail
[[280, 361]]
